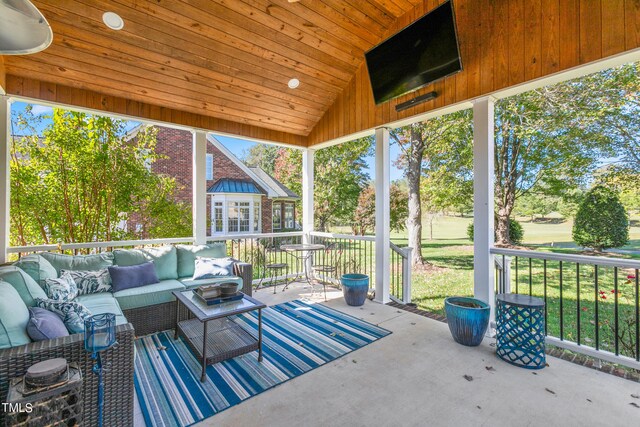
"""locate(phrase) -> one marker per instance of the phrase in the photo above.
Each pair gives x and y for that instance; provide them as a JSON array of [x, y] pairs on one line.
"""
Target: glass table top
[[207, 312]]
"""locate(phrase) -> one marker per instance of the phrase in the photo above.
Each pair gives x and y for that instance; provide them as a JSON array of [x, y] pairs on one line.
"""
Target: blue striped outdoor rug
[[297, 337]]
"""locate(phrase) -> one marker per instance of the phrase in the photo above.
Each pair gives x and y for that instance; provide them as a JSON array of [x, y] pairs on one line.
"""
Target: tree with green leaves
[[82, 179], [625, 181], [602, 221], [425, 149], [339, 177], [263, 156], [555, 136], [364, 218], [537, 205]]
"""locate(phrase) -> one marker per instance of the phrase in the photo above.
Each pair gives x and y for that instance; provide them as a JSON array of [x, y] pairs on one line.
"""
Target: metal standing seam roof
[[226, 185]]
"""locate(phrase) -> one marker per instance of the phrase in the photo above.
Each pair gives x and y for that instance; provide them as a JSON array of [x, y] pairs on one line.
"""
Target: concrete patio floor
[[415, 377]]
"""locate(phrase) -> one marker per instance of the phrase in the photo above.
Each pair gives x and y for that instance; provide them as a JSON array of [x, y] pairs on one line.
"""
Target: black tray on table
[[220, 300]]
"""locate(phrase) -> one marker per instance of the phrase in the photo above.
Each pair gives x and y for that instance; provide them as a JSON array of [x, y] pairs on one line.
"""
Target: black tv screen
[[423, 52]]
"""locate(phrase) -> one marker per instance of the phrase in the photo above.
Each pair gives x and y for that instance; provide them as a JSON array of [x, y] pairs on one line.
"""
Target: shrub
[[516, 232], [601, 221]]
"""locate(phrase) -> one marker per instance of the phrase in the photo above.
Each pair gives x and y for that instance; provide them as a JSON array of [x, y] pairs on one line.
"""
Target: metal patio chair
[[273, 268], [329, 265]]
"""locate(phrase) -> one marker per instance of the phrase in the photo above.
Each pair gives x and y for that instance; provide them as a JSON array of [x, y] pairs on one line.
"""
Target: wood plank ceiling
[[227, 59]]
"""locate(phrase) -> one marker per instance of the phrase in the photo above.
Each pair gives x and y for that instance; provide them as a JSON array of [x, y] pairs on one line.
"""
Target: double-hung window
[[277, 216], [288, 216]]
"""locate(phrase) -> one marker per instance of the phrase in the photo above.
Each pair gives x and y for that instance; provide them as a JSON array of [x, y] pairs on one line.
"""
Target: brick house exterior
[[175, 149]]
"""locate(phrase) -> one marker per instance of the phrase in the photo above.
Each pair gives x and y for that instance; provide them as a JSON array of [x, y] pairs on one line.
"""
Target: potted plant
[[468, 319]]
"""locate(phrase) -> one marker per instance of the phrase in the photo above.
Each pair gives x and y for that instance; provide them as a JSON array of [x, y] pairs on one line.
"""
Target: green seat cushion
[[103, 302], [192, 284], [147, 295], [187, 256], [164, 258], [14, 316], [23, 283], [36, 266], [79, 262]]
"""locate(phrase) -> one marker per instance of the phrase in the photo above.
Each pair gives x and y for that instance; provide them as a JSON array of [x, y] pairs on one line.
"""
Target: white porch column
[[483, 207], [307, 193], [199, 207], [5, 188], [383, 228]]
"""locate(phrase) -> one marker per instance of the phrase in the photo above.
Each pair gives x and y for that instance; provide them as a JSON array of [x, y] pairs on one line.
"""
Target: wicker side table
[[55, 406], [520, 330]]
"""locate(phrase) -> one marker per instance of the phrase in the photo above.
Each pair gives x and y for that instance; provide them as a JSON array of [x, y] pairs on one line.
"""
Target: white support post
[[199, 207], [5, 188], [483, 207], [307, 193], [383, 228]]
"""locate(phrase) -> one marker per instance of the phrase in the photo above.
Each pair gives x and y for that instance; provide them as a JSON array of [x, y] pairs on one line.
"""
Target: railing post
[[506, 274], [406, 275], [383, 229], [199, 206], [5, 186], [483, 204]]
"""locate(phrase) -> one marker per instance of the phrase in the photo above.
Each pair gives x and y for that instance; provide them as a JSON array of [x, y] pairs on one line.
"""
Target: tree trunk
[[502, 229], [414, 220]]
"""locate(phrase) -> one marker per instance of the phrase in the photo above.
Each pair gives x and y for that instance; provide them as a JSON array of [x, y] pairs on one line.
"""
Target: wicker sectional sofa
[[139, 312]]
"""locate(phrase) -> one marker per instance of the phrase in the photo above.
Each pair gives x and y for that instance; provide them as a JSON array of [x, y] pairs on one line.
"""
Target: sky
[[237, 146]]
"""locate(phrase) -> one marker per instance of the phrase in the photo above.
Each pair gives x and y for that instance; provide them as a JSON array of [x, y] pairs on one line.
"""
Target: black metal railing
[[591, 302], [359, 257]]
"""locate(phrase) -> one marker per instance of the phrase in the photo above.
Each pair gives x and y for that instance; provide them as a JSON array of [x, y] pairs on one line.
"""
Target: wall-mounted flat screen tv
[[423, 52]]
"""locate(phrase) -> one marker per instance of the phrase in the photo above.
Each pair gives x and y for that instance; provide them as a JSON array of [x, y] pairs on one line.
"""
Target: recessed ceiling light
[[293, 83], [113, 20]]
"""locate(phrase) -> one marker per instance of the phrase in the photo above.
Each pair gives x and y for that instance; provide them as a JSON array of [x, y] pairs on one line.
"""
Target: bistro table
[[302, 252], [212, 333]]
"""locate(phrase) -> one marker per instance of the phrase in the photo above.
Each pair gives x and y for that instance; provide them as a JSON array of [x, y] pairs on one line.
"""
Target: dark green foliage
[[601, 221], [516, 232]]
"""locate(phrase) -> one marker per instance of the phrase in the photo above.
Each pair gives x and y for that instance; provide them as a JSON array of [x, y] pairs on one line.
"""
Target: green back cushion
[[14, 316], [37, 267], [164, 258], [79, 262], [187, 256], [24, 284]]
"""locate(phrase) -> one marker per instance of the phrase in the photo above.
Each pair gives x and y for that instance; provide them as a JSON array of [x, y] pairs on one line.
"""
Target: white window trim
[[226, 199]]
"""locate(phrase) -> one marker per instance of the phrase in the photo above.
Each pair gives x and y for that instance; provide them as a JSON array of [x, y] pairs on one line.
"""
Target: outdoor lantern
[[99, 332], [99, 335]]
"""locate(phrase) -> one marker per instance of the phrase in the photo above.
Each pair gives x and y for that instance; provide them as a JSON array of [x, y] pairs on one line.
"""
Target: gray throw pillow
[[90, 282], [45, 325], [132, 276], [208, 268]]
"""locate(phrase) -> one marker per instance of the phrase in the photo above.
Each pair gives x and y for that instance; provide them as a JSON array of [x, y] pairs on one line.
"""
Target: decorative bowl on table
[[228, 289]]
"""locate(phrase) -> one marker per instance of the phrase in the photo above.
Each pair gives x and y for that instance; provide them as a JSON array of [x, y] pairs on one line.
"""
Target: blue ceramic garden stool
[[520, 330]]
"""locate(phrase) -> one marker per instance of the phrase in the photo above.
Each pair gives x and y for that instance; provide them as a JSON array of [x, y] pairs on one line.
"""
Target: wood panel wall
[[503, 43], [52, 92]]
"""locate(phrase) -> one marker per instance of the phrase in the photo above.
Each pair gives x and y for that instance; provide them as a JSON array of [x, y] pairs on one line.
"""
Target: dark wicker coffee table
[[211, 333]]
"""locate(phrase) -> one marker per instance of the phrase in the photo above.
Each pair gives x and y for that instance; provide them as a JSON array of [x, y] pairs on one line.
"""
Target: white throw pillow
[[209, 268]]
